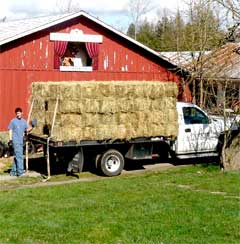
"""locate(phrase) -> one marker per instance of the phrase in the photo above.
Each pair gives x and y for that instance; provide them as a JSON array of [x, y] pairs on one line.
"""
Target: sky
[[112, 12]]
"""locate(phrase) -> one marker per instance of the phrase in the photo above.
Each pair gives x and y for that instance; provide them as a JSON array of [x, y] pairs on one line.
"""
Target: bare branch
[[138, 8]]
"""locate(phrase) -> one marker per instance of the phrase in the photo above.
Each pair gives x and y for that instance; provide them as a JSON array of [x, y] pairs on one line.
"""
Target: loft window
[[76, 55], [75, 51]]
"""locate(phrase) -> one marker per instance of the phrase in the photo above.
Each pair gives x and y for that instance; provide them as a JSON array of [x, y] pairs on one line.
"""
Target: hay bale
[[106, 110]]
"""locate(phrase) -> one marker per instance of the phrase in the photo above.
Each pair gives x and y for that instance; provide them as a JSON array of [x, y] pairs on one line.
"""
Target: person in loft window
[[80, 58]]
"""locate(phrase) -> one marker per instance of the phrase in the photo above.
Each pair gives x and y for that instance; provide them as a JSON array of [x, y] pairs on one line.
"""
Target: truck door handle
[[188, 130]]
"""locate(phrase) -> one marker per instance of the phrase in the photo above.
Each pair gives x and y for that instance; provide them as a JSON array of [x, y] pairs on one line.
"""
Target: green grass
[[173, 206]]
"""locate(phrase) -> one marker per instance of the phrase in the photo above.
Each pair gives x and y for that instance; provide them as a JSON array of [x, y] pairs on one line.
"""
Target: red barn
[[69, 47]]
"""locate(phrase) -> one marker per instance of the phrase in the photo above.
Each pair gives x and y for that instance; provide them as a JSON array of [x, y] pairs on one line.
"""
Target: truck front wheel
[[112, 162]]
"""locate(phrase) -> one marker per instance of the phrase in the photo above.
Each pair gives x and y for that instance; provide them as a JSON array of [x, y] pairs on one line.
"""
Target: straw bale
[[75, 120], [107, 106], [44, 89], [172, 115], [142, 116], [105, 132], [71, 107], [143, 130], [141, 91], [171, 90], [36, 89], [142, 104], [171, 129], [109, 119], [68, 133], [89, 90], [68, 91], [90, 120], [126, 105], [105, 89], [157, 129], [156, 118], [170, 103], [121, 91], [123, 118], [157, 90], [158, 104]]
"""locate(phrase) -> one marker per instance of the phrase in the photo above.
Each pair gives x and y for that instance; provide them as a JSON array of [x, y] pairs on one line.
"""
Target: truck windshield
[[194, 116]]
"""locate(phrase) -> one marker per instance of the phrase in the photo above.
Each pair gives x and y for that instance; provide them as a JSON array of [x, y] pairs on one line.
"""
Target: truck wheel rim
[[112, 163]]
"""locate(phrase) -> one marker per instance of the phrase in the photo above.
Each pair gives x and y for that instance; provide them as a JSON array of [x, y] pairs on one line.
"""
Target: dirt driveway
[[35, 179]]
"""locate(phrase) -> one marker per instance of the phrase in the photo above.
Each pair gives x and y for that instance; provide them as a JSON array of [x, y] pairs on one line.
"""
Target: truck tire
[[1, 149], [98, 161], [112, 163], [31, 148]]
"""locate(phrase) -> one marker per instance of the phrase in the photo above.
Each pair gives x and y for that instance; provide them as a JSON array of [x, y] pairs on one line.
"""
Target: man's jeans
[[17, 167]]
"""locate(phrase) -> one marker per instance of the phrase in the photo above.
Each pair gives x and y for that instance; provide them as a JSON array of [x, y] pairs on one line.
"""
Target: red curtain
[[60, 48], [93, 51]]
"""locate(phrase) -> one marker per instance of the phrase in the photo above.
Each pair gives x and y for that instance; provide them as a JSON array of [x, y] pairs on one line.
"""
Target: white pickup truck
[[198, 136]]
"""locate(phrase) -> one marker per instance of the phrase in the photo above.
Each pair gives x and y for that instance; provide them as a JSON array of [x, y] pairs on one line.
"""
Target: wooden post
[[26, 146], [48, 140]]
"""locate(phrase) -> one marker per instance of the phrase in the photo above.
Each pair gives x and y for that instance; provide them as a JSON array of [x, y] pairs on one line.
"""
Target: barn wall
[[30, 59]]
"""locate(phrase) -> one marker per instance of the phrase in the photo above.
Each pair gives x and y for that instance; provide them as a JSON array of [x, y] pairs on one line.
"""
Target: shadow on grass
[[140, 164], [58, 167], [204, 162]]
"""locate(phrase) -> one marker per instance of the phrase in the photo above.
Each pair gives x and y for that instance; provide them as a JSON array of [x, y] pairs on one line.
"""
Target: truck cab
[[198, 133]]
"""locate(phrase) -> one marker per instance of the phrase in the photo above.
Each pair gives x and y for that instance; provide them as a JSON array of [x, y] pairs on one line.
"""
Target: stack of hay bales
[[106, 110]]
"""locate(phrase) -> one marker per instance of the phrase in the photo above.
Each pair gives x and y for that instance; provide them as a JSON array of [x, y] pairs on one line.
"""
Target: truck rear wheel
[[112, 162], [1, 149]]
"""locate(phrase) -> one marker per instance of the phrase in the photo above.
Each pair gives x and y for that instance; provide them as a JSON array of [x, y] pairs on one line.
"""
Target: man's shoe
[[22, 175]]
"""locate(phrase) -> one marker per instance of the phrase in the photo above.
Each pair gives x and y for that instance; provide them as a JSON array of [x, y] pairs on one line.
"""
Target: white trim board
[[76, 36]]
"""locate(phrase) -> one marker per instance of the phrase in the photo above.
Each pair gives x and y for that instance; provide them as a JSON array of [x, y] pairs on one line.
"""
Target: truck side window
[[194, 116]]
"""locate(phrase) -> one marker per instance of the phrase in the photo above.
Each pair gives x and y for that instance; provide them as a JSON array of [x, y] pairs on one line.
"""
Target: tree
[[131, 30], [201, 34], [179, 26], [137, 9], [231, 148], [67, 6], [165, 34], [147, 35], [231, 7]]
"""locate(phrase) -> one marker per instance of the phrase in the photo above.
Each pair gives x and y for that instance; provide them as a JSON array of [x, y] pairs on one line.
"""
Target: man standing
[[17, 127]]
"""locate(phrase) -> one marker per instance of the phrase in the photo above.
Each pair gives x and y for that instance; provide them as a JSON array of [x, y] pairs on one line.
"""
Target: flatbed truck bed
[[109, 155]]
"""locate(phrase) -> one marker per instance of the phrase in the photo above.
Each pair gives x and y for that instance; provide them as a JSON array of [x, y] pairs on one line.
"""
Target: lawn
[[194, 204]]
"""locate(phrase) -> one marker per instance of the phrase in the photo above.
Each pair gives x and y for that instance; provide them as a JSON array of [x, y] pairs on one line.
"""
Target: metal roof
[[13, 30], [182, 58], [222, 63]]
